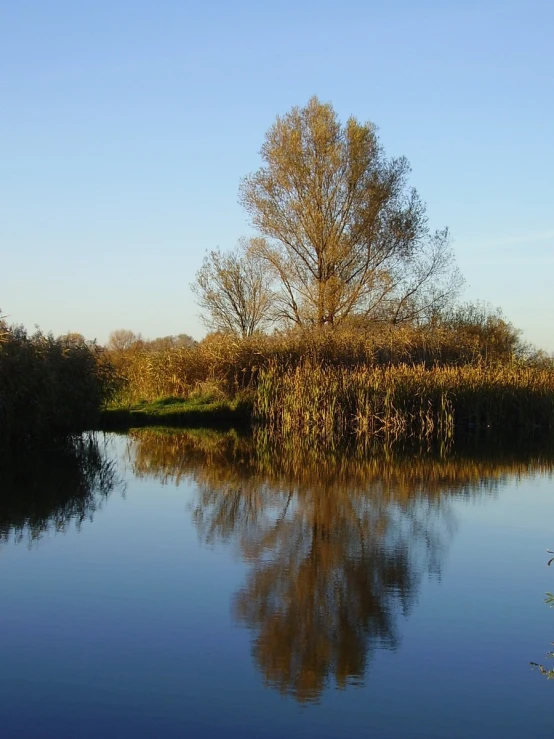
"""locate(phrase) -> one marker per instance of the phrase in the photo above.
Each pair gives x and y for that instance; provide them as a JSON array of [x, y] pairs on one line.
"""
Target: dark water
[[190, 585]]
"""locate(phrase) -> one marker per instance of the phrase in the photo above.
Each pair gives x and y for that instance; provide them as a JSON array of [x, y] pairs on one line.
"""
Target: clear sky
[[126, 125]]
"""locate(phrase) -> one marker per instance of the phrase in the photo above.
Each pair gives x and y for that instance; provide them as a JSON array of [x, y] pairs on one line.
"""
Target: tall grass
[[229, 365], [335, 385], [49, 387], [331, 404]]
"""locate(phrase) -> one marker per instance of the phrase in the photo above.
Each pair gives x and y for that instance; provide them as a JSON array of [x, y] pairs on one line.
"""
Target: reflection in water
[[330, 576], [336, 546], [46, 491]]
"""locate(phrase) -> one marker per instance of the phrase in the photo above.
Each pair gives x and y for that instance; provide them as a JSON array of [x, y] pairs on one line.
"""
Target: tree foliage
[[344, 234]]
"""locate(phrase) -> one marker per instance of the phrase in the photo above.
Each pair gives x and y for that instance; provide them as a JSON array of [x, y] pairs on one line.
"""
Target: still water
[[188, 584]]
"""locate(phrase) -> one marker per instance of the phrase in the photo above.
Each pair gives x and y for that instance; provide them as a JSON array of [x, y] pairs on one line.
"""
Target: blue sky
[[125, 128]]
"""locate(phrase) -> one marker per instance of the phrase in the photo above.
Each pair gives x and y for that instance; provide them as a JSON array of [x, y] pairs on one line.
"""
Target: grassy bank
[[196, 411]]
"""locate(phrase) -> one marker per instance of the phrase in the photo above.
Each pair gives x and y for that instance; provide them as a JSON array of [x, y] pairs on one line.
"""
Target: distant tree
[[344, 234], [185, 340], [122, 339], [234, 290], [171, 342]]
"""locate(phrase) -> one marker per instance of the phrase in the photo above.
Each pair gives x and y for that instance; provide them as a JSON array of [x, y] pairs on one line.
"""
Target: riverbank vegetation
[[49, 387], [333, 404], [198, 410], [468, 370]]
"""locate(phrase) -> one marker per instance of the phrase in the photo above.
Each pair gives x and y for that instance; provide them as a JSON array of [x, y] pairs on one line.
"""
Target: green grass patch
[[173, 411]]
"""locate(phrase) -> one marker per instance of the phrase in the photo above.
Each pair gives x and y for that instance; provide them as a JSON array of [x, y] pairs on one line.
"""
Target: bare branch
[[234, 290]]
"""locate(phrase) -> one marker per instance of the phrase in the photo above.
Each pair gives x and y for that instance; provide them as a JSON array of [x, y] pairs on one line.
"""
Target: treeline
[[49, 387], [465, 369]]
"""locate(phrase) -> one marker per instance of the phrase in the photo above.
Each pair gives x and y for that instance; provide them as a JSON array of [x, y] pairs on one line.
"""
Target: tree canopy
[[343, 233]]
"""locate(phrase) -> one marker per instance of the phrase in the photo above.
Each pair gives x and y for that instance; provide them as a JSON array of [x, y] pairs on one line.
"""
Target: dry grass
[[229, 365], [49, 387], [332, 404], [336, 385]]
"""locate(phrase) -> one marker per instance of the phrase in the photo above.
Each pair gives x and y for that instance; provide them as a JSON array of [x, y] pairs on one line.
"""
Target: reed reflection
[[337, 546], [46, 491]]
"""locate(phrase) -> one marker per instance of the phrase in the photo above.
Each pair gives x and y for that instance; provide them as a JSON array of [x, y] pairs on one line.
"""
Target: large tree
[[344, 234], [233, 289]]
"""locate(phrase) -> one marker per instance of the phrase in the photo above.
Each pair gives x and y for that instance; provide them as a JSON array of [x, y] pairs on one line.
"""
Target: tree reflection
[[47, 491], [337, 547], [324, 591]]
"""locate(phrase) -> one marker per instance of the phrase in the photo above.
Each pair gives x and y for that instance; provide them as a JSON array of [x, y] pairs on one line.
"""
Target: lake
[[195, 584]]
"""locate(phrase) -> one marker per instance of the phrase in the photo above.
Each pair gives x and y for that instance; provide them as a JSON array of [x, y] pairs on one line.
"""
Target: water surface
[[170, 584]]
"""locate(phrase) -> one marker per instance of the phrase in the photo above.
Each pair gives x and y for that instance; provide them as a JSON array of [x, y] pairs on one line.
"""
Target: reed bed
[[49, 387], [335, 386], [226, 365], [328, 405]]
